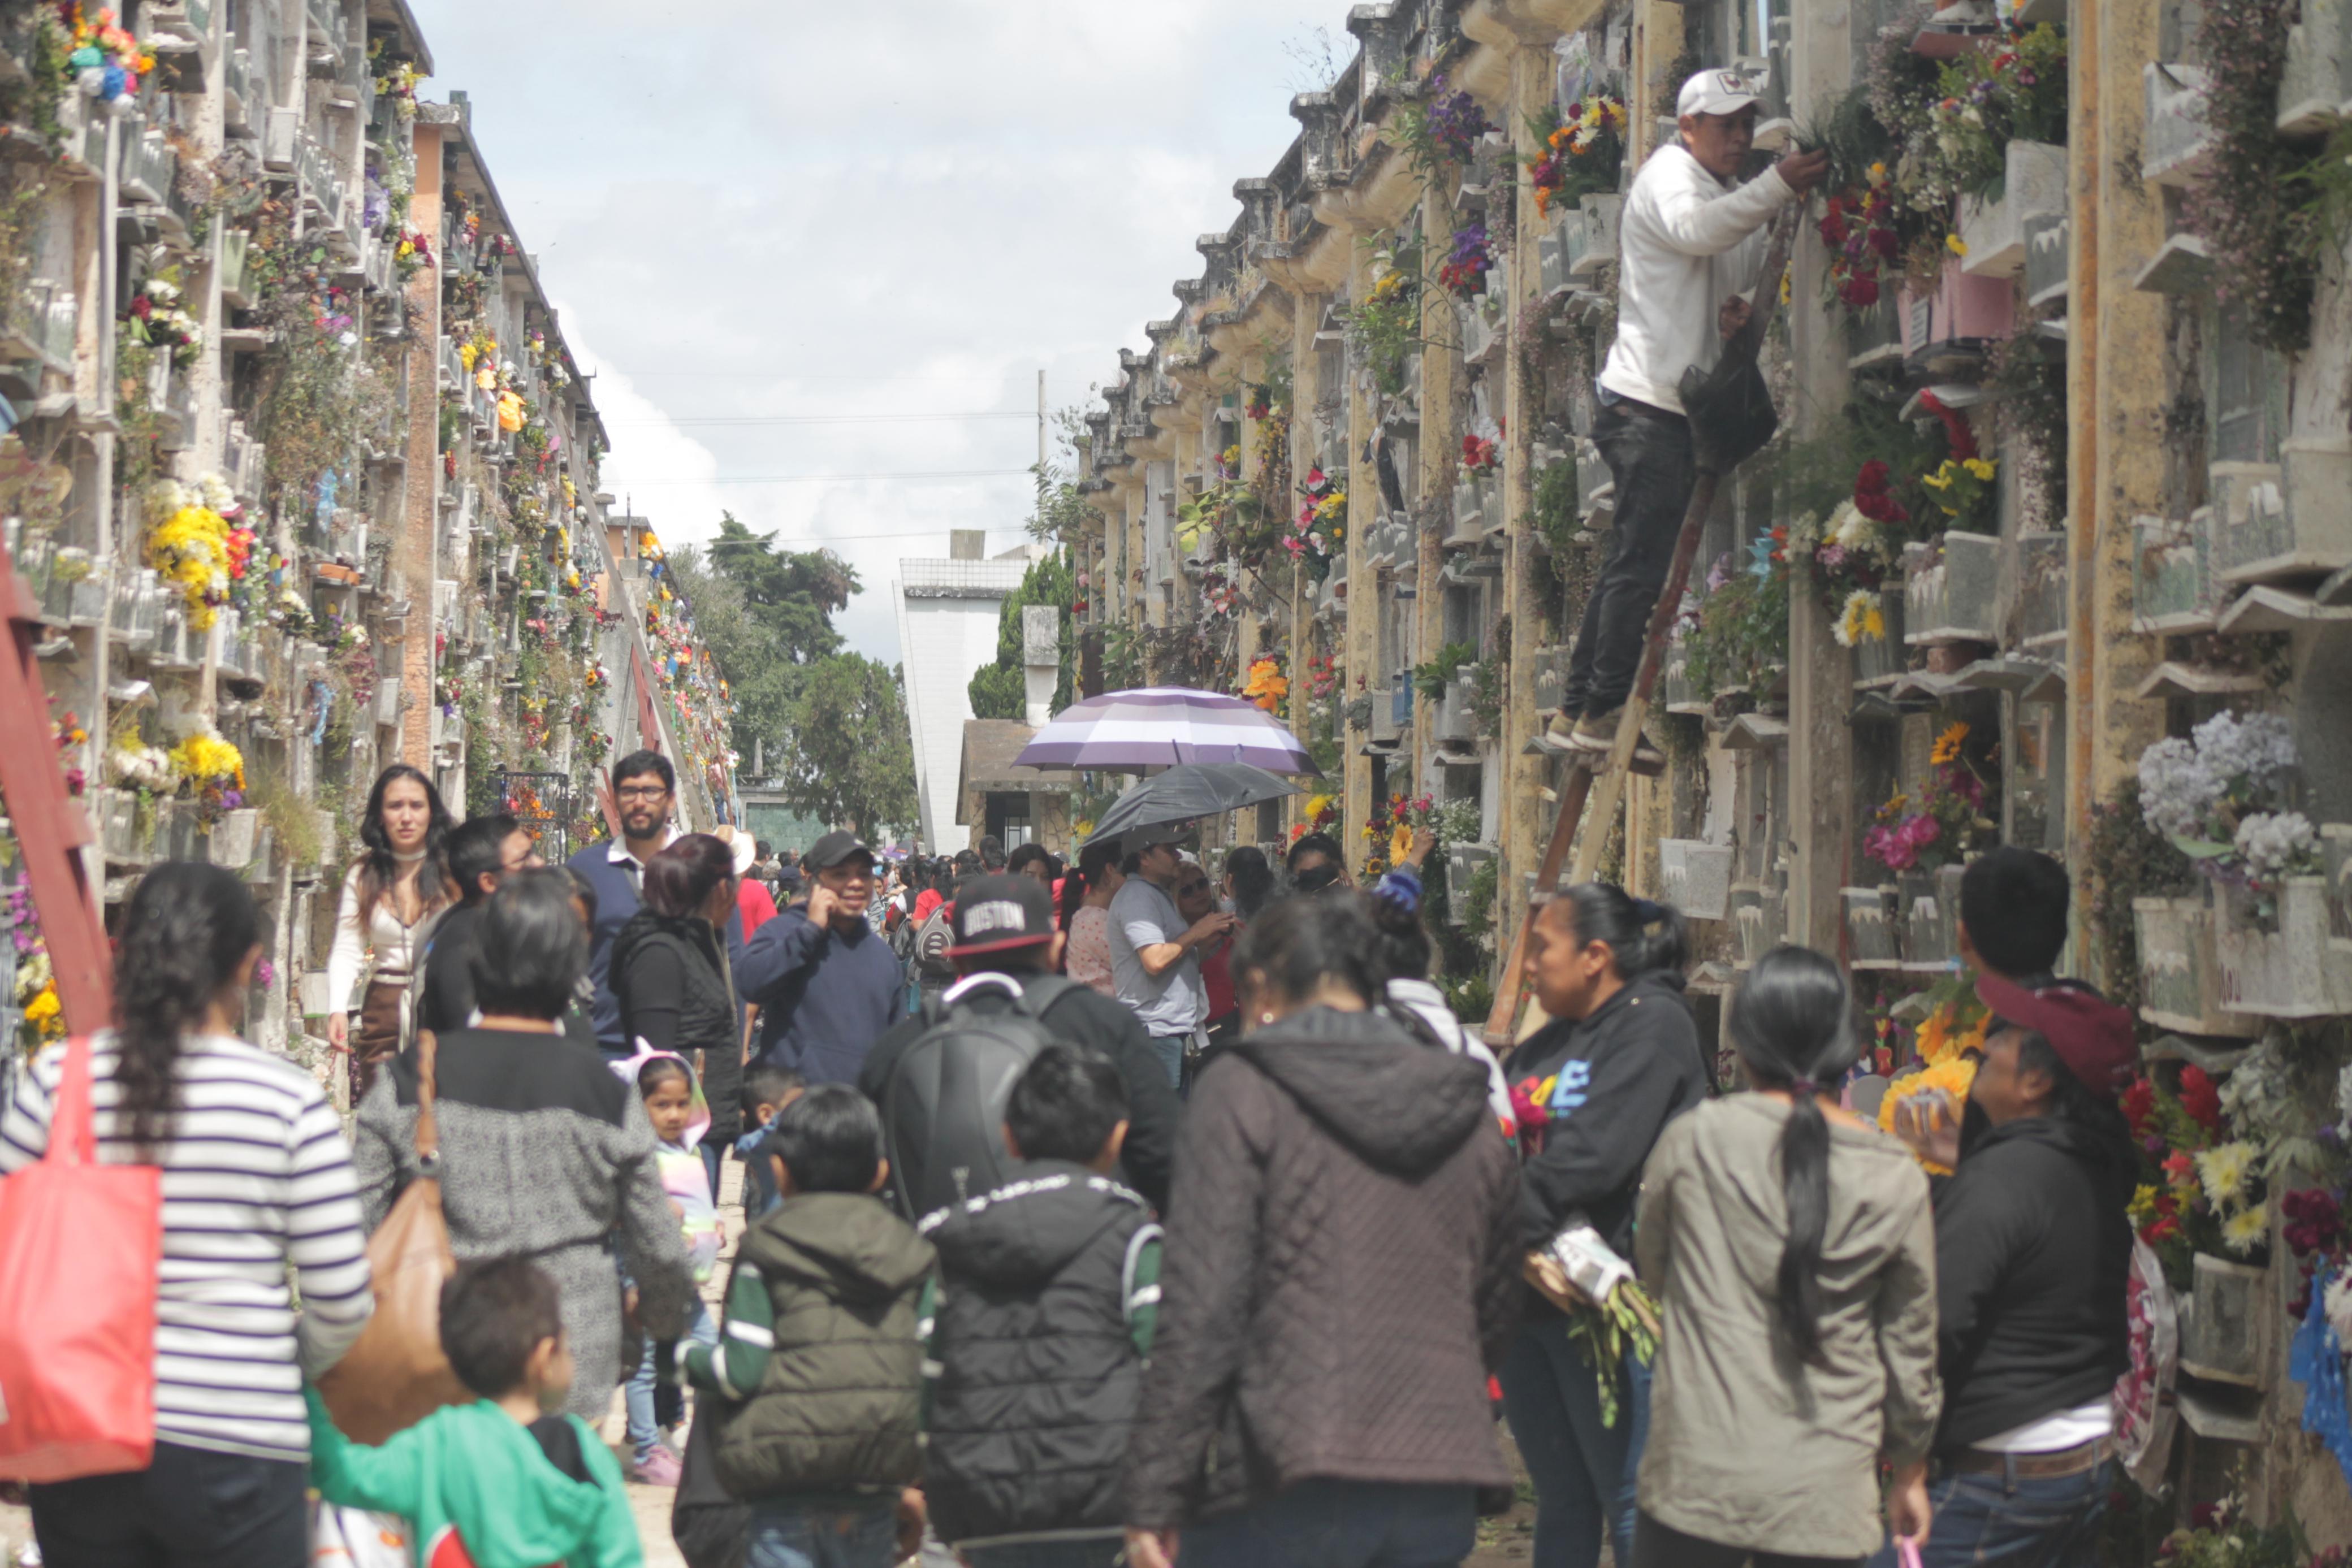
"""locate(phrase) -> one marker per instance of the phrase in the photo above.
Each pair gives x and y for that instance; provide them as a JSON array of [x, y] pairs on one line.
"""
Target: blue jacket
[[824, 996], [616, 900]]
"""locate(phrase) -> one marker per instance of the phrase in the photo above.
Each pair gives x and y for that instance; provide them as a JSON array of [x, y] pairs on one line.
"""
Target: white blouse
[[397, 948]]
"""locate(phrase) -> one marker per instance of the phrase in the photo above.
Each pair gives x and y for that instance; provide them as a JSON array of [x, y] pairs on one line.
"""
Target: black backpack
[[943, 1108]]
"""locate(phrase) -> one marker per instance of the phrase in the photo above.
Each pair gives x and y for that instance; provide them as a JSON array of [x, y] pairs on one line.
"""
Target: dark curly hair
[[186, 931], [379, 871]]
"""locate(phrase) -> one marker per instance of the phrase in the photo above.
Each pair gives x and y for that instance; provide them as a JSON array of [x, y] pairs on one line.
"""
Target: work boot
[[1597, 734]]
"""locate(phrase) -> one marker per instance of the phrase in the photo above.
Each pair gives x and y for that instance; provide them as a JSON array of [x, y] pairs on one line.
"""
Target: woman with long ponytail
[[257, 1190], [1793, 1250]]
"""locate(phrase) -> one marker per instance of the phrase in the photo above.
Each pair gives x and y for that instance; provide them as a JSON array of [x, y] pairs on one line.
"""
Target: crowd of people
[[1099, 1212]]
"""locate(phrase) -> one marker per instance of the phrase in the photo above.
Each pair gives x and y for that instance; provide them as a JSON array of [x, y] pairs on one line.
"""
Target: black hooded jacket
[[1038, 1371], [1623, 1073], [669, 975], [1340, 1279], [2032, 1254]]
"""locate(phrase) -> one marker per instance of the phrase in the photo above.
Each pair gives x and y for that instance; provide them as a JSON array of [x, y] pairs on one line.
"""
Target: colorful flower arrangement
[[1482, 455], [1266, 684], [1581, 150], [193, 543], [2202, 1188], [1320, 527], [1740, 630], [1947, 820], [1858, 228], [212, 769], [1950, 1043], [1321, 811], [413, 253], [157, 318], [1464, 271], [103, 60], [1456, 120], [2221, 796]]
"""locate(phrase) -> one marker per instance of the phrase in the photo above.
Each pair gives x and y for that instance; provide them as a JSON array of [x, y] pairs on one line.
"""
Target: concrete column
[[419, 553], [1361, 625], [1525, 816], [2116, 393], [1441, 446], [1821, 673], [1304, 390]]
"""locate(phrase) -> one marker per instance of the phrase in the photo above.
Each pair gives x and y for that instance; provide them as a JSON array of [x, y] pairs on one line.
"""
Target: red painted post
[[50, 826]]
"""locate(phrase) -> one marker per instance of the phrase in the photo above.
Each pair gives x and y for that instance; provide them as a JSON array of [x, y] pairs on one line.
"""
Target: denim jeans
[[644, 1433], [190, 1507], [1170, 1050], [2021, 1523], [794, 1532], [1648, 451], [1104, 1551], [1658, 1546], [1583, 1470], [1341, 1524]]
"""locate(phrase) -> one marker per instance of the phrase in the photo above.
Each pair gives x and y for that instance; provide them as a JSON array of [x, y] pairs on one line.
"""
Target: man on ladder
[[1692, 241]]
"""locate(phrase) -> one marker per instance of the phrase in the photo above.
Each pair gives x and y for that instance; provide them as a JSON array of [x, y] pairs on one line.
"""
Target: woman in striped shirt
[[256, 1182]]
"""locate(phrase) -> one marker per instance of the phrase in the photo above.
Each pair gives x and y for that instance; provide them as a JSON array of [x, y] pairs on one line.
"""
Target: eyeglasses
[[641, 792], [1191, 887]]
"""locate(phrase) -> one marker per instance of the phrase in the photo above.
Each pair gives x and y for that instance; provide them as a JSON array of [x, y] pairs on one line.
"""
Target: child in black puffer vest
[[1050, 1289]]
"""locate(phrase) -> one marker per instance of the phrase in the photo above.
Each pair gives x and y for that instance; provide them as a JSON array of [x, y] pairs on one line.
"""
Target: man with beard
[[645, 789]]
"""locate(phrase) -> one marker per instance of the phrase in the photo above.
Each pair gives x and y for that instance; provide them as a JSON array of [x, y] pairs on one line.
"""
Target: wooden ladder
[[49, 825], [1599, 784]]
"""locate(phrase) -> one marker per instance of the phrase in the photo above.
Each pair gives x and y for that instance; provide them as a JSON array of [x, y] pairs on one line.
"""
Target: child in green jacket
[[500, 1483]]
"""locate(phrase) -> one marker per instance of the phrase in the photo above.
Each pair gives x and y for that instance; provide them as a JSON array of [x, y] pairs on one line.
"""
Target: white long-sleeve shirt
[[1688, 242], [398, 948], [256, 1176]]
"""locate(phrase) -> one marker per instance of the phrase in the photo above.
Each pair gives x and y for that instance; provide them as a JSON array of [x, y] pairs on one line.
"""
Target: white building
[[948, 613]]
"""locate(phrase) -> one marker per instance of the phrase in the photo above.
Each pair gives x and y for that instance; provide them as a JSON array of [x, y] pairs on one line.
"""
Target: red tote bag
[[81, 1245]]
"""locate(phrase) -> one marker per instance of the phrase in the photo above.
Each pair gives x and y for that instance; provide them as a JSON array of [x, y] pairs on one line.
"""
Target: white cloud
[[905, 206]]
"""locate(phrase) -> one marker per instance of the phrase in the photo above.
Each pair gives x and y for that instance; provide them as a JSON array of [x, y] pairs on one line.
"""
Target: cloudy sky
[[778, 234]]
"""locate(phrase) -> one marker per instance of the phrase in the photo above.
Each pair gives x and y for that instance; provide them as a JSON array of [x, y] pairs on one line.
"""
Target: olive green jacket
[[838, 1405]]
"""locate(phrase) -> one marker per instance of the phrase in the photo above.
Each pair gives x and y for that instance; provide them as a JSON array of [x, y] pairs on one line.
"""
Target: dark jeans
[[1657, 1546], [1648, 452], [190, 1507], [1583, 1470], [1104, 1551], [1341, 1524], [2018, 1523], [790, 1532]]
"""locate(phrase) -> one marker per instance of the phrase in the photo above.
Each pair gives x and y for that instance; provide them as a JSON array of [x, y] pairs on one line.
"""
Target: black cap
[[996, 912], [1144, 838], [834, 849]]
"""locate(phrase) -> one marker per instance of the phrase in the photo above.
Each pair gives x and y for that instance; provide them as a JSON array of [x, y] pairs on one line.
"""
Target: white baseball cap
[[1714, 92]]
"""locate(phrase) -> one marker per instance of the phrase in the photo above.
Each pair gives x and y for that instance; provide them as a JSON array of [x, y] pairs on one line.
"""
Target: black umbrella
[[1194, 789]]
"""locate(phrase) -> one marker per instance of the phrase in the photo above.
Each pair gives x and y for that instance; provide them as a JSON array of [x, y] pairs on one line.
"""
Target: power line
[[631, 480], [701, 421]]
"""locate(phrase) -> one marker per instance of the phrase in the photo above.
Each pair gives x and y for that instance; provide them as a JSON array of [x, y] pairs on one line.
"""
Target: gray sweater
[[1749, 1447], [545, 1152]]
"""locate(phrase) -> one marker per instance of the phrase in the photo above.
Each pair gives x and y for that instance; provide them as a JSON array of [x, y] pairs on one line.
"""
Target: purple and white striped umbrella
[[1163, 726]]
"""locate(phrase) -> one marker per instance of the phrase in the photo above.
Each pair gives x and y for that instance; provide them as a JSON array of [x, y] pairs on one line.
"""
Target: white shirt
[[1428, 1004], [1687, 243], [2056, 1432], [397, 947]]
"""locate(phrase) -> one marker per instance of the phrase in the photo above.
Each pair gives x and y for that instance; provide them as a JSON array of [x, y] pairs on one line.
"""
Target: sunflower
[[1947, 746], [1953, 1077]]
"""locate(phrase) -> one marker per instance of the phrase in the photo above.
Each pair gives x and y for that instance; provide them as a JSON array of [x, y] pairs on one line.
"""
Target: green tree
[[767, 617], [845, 755], [999, 690]]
